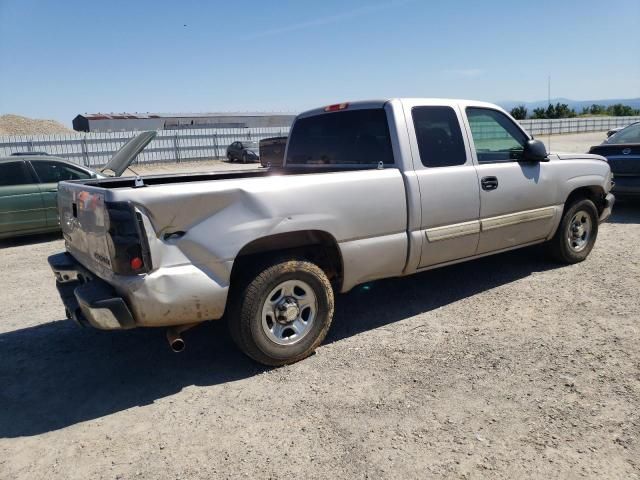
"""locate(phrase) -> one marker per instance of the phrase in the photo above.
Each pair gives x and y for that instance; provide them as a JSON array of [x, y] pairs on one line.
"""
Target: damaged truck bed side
[[368, 190]]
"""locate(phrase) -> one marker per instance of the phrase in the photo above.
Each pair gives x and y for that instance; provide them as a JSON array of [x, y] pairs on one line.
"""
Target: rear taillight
[[127, 240], [136, 263]]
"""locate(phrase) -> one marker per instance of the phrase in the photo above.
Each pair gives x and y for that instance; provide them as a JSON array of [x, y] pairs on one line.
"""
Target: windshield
[[630, 134]]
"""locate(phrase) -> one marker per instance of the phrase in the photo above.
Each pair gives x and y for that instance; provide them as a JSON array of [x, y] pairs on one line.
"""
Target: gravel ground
[[572, 142], [504, 367]]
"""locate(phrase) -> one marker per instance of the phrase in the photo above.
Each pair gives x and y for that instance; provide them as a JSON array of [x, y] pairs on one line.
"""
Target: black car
[[244, 151], [622, 150]]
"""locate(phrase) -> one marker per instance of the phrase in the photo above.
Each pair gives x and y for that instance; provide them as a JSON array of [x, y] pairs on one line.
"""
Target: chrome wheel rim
[[579, 231], [289, 311]]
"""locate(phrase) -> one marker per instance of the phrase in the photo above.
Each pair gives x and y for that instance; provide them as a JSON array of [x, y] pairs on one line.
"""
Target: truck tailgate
[[84, 223]]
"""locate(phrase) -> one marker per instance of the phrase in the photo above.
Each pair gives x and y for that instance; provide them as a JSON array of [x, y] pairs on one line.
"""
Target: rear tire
[[245, 159], [283, 313], [229, 157], [576, 234]]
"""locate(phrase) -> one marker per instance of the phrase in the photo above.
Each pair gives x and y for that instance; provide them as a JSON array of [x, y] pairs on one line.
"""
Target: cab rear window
[[356, 137]]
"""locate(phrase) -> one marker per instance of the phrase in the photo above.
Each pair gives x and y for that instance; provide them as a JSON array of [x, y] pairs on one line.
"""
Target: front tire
[[282, 314], [245, 158], [576, 234]]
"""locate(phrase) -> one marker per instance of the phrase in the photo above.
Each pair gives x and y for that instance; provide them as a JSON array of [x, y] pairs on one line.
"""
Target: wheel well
[[313, 245], [594, 193]]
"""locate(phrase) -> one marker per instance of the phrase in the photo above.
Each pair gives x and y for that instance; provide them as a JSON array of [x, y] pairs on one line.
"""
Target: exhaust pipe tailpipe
[[174, 337], [176, 342]]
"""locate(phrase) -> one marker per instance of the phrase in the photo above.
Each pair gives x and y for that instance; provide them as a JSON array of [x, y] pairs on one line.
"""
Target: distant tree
[[620, 110], [539, 113], [519, 113], [559, 110], [551, 111], [562, 110]]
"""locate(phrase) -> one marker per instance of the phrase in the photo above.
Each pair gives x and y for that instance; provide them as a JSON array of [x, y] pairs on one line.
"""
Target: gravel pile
[[18, 125]]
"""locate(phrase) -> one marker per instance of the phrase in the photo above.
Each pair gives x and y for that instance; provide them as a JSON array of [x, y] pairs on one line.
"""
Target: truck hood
[[577, 156], [127, 154]]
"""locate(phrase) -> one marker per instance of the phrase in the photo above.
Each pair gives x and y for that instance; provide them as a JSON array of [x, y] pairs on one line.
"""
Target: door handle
[[489, 183]]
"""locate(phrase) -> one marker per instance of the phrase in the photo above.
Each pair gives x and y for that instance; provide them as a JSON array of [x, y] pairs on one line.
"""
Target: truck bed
[[186, 230], [163, 179]]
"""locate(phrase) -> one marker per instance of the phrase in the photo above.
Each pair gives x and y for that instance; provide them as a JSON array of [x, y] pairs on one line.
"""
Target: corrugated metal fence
[[95, 149], [169, 146]]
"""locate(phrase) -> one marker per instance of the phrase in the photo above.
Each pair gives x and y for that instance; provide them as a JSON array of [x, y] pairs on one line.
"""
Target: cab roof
[[379, 103]]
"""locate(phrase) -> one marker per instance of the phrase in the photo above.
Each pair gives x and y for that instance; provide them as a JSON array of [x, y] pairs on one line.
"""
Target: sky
[[59, 58]]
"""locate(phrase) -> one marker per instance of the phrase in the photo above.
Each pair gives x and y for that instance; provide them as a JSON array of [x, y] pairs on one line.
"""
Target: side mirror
[[534, 151]]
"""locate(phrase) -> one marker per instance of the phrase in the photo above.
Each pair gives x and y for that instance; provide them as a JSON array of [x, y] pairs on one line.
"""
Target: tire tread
[[557, 246]]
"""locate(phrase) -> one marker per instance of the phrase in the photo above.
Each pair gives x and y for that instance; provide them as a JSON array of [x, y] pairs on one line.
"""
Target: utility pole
[[549, 103]]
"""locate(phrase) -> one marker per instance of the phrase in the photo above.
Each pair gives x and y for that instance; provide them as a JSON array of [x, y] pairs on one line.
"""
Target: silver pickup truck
[[368, 190]]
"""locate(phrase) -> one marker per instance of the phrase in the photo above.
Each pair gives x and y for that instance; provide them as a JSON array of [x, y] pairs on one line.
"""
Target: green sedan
[[29, 186]]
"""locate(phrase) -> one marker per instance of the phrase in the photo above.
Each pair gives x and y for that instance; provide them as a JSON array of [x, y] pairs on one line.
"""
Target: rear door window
[[54, 172], [439, 136], [355, 137], [14, 173]]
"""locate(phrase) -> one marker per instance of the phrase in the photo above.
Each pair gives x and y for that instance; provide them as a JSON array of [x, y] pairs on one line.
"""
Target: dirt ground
[[504, 367]]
